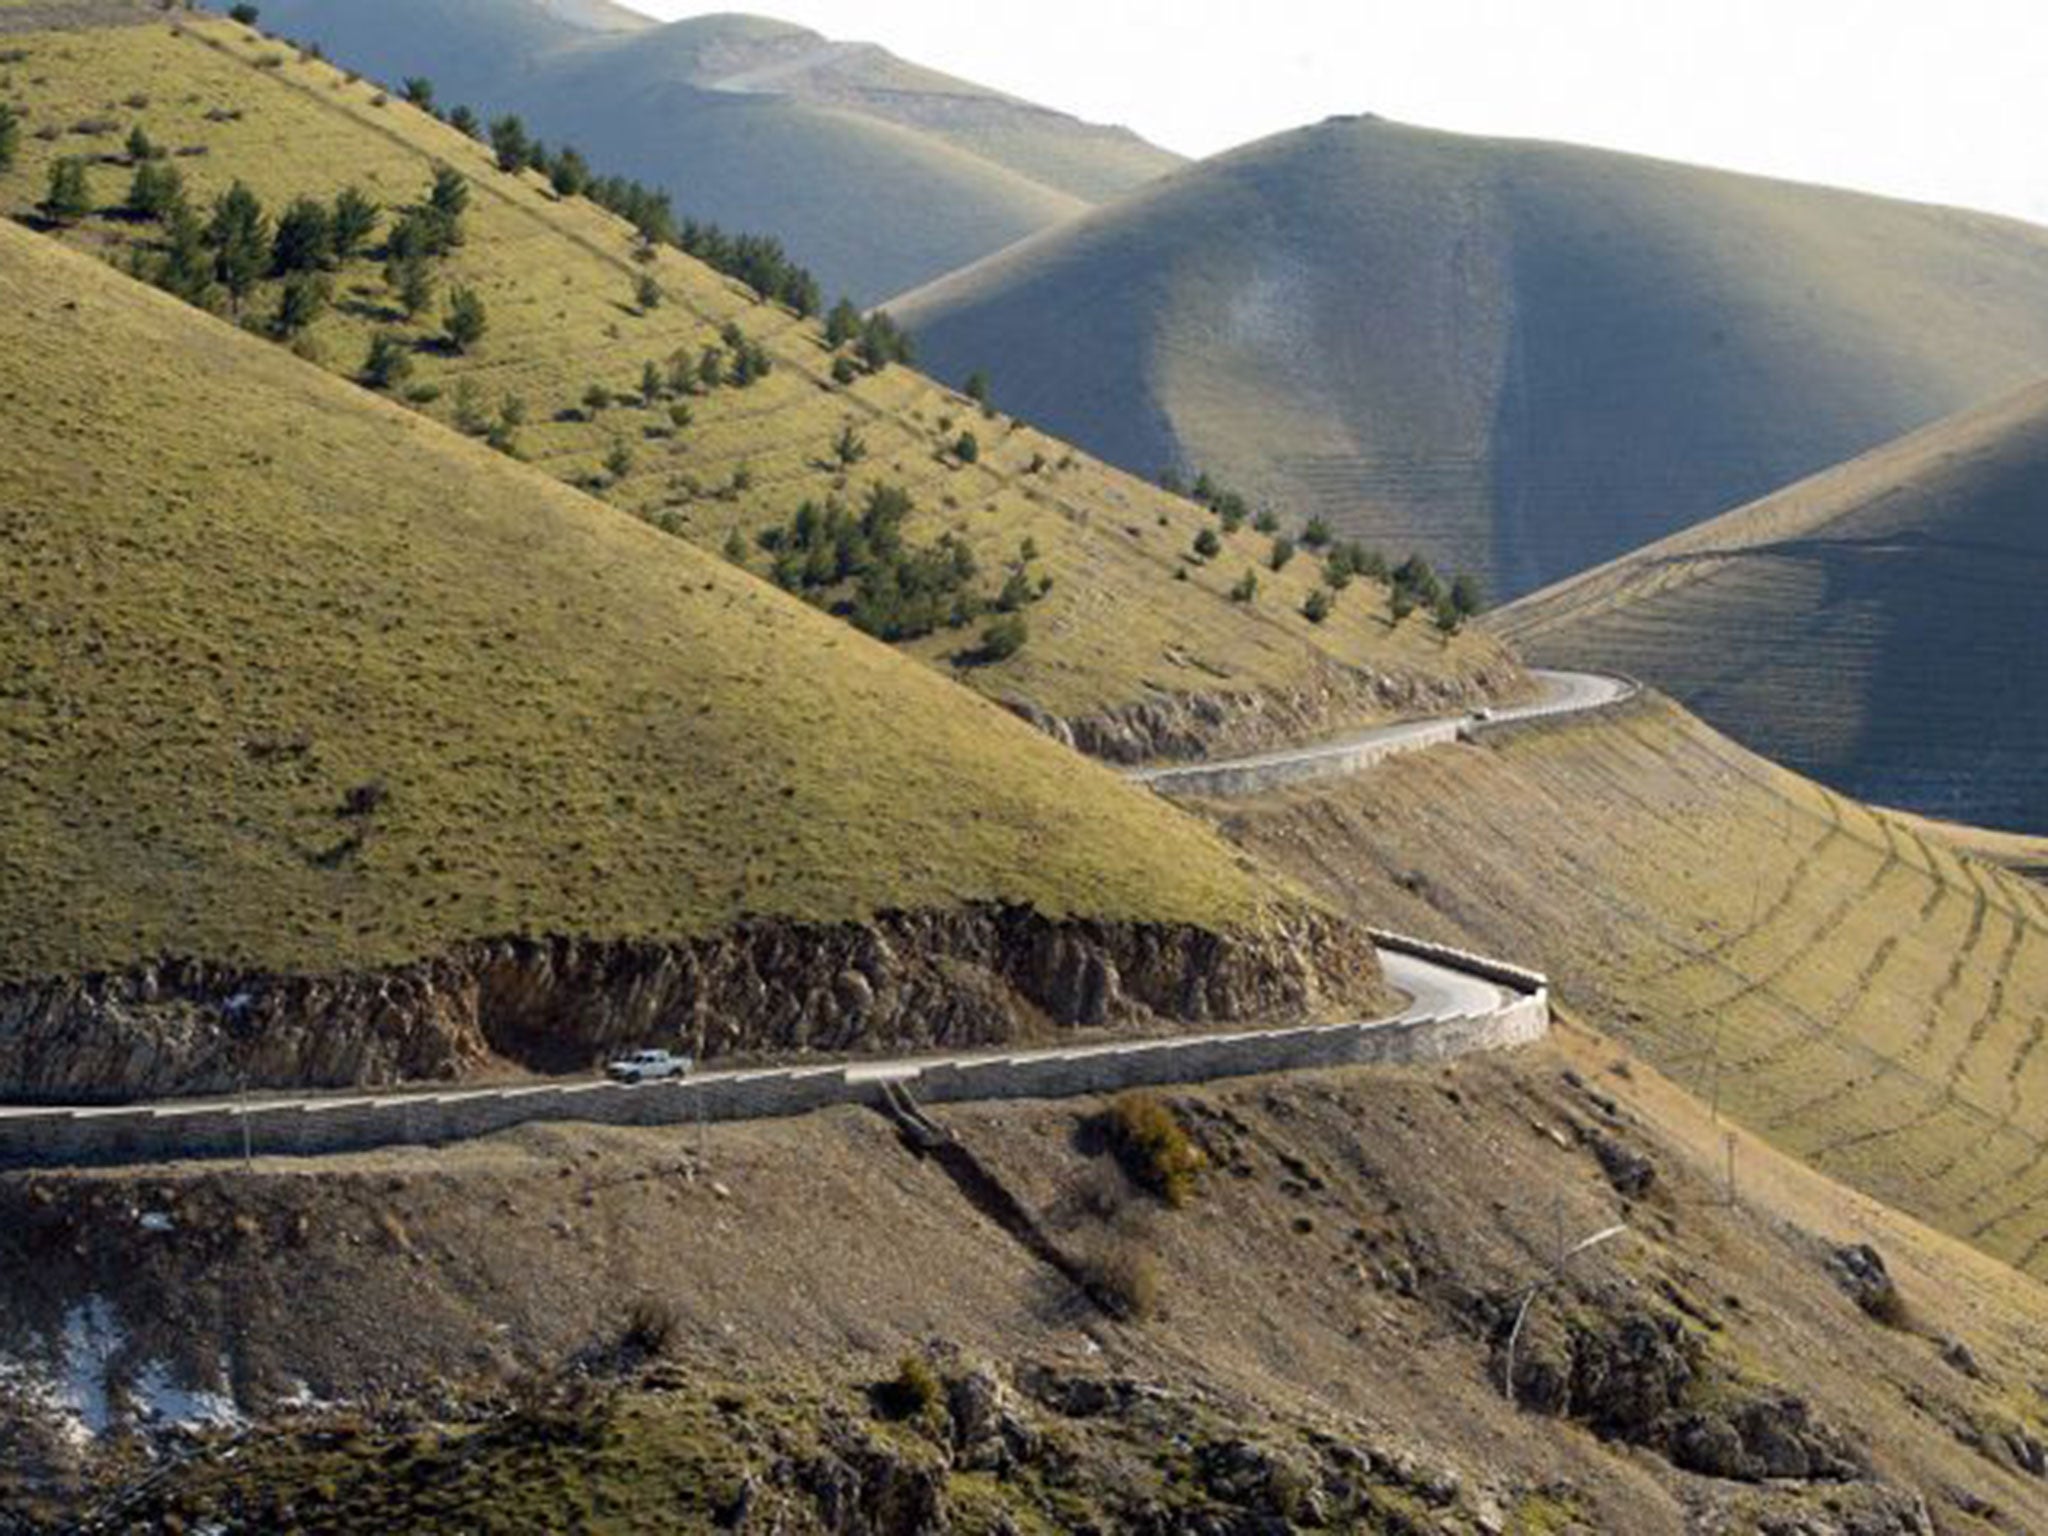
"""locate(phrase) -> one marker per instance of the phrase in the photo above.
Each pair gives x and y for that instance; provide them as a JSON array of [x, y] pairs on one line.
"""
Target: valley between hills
[[464, 622]]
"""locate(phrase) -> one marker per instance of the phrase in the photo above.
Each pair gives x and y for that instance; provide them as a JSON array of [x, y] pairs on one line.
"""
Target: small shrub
[[1247, 587], [1154, 1147], [245, 14], [647, 294], [1317, 534], [650, 1327], [1004, 638], [1207, 544], [967, 448], [1283, 551], [1316, 607], [914, 1392], [844, 370], [1120, 1271], [389, 363], [467, 319]]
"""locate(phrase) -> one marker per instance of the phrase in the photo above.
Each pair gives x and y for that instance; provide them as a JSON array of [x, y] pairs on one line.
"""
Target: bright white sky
[[1944, 100]]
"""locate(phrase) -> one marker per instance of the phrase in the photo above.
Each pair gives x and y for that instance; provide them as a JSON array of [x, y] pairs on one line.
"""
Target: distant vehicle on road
[[649, 1067], [1483, 713]]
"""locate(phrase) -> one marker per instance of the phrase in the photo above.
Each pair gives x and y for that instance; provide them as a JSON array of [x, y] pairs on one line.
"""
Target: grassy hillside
[[1128, 620], [293, 678], [1872, 626], [881, 173], [1862, 995], [1520, 357]]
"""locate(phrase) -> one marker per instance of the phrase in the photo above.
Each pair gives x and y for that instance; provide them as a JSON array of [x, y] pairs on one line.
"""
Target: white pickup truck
[[648, 1067]]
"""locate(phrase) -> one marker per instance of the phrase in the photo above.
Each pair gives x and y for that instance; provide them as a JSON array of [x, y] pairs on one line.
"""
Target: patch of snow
[[75, 1389], [156, 1221]]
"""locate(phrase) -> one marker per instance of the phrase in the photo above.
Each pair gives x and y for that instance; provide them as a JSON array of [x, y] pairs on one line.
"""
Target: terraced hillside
[[340, 748], [1130, 637], [1874, 626], [1861, 994], [1521, 358], [881, 172]]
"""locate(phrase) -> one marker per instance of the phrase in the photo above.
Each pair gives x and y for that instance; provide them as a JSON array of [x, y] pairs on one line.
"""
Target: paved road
[[1560, 693], [1436, 990]]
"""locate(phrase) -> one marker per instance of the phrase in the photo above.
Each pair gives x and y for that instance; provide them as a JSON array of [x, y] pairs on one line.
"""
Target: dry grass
[[295, 679], [1864, 996], [558, 278]]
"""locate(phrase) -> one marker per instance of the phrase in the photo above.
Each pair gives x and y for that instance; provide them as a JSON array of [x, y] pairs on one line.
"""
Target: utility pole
[[1564, 1256]]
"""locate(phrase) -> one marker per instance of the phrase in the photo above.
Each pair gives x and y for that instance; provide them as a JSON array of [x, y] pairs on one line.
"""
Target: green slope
[[878, 172], [1521, 357], [1874, 625], [239, 594], [1117, 633]]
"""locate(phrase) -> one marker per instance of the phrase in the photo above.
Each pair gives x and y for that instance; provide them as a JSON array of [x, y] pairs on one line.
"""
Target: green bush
[[967, 448], [914, 1392], [1283, 551], [389, 363], [69, 197], [1154, 1147], [1316, 607], [1207, 544], [1004, 638], [467, 319], [1247, 587]]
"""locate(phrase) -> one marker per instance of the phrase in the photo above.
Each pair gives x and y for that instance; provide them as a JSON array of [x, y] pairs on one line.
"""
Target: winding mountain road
[[1457, 1003]]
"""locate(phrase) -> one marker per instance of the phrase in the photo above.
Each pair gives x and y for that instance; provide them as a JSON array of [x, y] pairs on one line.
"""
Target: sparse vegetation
[[467, 319]]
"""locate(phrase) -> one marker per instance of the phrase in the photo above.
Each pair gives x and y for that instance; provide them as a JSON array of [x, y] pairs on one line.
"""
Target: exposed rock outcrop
[[902, 981]]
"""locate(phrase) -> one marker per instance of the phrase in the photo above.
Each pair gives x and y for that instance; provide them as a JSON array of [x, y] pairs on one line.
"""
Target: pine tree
[[305, 238], [647, 293], [651, 383], [140, 146], [967, 448], [389, 364], [568, 174], [156, 191], [467, 319], [244, 13], [1317, 606], [1207, 545], [302, 300], [10, 136], [843, 324], [354, 221], [850, 448], [976, 388], [419, 90], [186, 269], [240, 237], [463, 121], [412, 280], [70, 196], [1283, 551], [510, 143], [1247, 587]]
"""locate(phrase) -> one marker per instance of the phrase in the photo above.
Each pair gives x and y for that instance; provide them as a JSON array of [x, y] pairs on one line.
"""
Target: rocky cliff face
[[1191, 726], [903, 981]]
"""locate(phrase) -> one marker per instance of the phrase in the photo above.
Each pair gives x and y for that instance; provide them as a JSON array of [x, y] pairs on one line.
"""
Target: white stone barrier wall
[[309, 1127]]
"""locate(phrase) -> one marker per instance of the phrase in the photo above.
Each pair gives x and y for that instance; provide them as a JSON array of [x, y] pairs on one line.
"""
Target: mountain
[[876, 172], [1135, 646], [1521, 358], [1872, 625], [295, 684]]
